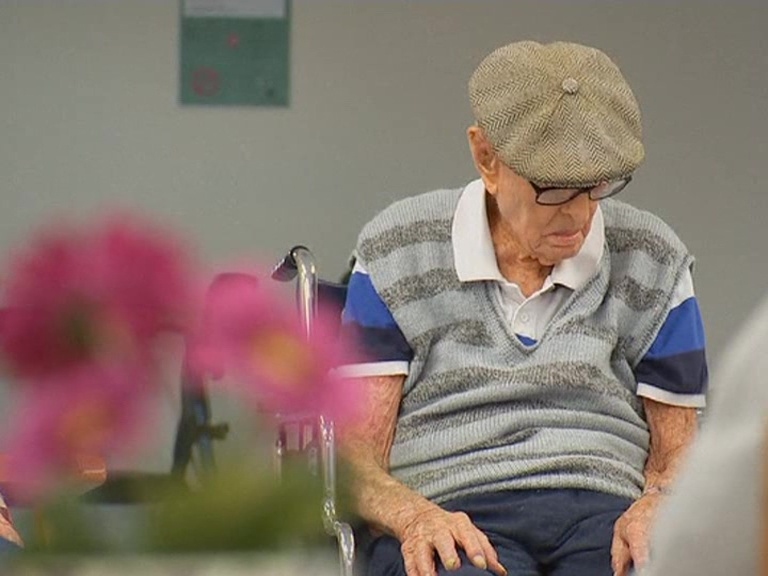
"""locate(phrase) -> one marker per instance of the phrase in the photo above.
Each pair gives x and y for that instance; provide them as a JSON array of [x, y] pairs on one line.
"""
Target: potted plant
[[83, 310]]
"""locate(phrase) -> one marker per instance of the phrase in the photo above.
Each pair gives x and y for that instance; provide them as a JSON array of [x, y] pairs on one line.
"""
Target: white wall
[[89, 118]]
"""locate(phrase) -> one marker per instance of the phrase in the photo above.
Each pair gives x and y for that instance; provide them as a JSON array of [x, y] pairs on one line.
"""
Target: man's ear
[[484, 156]]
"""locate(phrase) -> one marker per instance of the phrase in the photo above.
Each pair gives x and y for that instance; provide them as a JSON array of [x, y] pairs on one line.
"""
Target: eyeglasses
[[557, 196]]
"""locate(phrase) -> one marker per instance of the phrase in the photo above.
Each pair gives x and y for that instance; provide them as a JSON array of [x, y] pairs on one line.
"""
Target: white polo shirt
[[475, 259]]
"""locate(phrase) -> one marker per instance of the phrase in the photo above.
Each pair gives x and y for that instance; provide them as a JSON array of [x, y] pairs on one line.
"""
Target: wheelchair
[[193, 454]]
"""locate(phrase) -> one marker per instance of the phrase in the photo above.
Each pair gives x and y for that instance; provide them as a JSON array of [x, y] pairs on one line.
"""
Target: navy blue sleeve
[[674, 370]]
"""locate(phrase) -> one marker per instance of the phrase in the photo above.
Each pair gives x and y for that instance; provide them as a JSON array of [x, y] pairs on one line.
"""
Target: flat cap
[[558, 114]]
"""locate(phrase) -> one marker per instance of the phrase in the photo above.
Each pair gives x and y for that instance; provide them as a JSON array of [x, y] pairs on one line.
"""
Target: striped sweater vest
[[480, 411]]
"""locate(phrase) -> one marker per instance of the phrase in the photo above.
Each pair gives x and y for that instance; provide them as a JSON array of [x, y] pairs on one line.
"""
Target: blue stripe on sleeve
[[682, 331], [364, 306], [676, 361], [368, 323]]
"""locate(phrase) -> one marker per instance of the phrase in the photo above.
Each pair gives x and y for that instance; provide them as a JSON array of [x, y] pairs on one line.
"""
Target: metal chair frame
[[193, 447], [300, 264]]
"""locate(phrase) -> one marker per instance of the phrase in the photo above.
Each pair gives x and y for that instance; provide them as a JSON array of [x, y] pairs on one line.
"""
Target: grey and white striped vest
[[481, 412]]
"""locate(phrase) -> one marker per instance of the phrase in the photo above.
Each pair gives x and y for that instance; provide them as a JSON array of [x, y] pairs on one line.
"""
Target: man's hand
[[672, 429], [422, 527], [443, 532], [7, 531], [631, 535]]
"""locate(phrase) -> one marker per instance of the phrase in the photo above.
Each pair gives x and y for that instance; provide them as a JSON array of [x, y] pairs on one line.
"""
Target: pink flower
[[92, 410], [75, 297], [82, 312], [254, 337]]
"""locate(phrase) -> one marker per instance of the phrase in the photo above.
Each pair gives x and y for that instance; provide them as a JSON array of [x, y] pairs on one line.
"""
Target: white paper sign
[[235, 8]]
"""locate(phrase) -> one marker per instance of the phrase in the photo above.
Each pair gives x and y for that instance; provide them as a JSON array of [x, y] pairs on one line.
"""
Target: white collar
[[475, 257]]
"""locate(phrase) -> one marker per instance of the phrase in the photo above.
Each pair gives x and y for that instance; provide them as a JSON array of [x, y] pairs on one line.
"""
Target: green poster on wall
[[235, 52]]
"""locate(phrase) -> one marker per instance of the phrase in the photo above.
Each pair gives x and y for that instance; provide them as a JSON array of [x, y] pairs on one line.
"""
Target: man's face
[[548, 234]]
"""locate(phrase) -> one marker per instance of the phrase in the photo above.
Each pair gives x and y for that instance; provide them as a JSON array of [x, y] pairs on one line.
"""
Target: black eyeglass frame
[[619, 185]]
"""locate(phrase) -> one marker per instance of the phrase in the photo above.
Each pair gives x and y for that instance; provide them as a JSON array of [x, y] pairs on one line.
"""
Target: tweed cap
[[558, 114]]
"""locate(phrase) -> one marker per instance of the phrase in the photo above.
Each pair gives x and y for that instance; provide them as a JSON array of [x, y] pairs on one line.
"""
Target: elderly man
[[537, 353]]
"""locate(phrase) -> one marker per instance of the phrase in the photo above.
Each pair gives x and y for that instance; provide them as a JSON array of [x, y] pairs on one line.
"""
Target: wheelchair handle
[[285, 270], [301, 262]]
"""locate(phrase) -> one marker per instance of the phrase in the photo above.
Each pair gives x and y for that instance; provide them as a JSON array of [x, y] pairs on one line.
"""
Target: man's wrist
[[408, 515]]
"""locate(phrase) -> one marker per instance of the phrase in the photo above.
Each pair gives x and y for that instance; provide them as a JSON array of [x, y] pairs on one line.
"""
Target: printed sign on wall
[[235, 52]]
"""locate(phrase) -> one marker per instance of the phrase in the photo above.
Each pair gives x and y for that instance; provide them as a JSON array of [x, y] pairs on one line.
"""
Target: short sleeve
[[674, 370], [368, 323]]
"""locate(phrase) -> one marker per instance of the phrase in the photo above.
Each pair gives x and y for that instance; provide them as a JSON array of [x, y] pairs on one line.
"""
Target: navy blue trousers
[[7, 546], [535, 532]]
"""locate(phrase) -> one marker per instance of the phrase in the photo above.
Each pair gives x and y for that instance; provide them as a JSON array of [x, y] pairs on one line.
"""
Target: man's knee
[[384, 558]]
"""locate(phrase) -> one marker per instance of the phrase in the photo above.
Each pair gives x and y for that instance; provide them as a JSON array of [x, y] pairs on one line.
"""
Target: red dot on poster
[[206, 82], [233, 40]]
